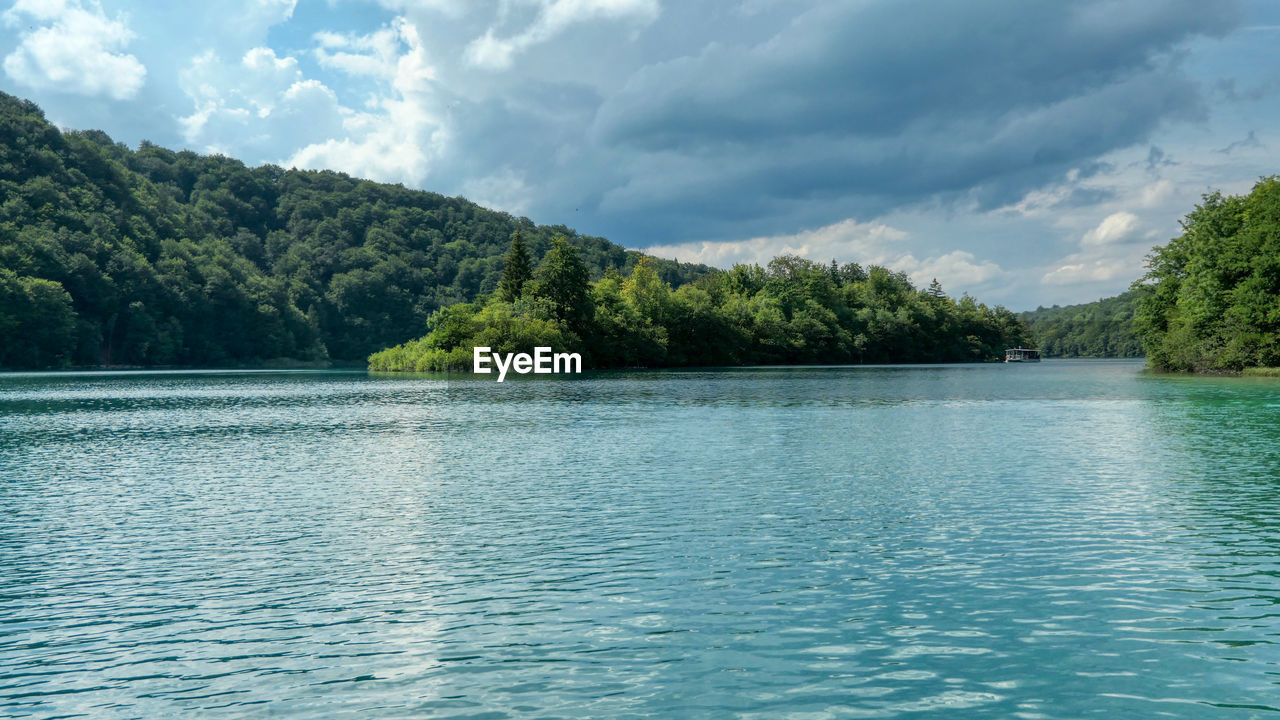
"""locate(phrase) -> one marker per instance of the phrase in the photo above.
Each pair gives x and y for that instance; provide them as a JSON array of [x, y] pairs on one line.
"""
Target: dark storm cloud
[[869, 107]]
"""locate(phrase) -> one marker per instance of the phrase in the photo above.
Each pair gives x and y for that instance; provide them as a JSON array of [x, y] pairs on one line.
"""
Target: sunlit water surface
[[1043, 541]]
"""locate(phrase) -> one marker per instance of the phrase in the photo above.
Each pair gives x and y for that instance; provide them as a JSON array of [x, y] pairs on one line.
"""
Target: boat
[[1013, 355]]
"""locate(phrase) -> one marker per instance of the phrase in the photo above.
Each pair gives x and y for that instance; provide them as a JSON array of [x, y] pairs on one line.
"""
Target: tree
[[563, 282], [646, 292], [935, 289], [1214, 298], [177, 258], [517, 269], [792, 312], [36, 322]]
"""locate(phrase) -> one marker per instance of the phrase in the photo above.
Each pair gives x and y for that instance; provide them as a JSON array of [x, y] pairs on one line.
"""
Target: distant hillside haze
[[113, 256], [1100, 329]]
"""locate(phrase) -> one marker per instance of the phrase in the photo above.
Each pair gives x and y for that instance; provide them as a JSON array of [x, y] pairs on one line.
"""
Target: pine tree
[[935, 289], [563, 281], [517, 270]]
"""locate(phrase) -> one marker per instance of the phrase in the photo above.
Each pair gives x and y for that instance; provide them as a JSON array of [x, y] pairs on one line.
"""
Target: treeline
[[1101, 329], [114, 256], [1214, 301], [793, 311]]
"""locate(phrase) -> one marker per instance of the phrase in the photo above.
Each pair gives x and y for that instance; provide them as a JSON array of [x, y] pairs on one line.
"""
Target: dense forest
[[1100, 329], [114, 256], [792, 311], [1214, 303]]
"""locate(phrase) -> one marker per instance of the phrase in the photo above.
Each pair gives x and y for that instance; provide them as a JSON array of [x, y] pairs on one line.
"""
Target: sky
[[1026, 153]]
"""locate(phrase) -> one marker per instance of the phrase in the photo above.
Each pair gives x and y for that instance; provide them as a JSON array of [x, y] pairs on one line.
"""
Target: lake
[[1059, 540]]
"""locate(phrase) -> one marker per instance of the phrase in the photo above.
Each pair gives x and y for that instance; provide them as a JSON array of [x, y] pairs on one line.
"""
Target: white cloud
[[253, 104], [1115, 228], [73, 47], [266, 107], [554, 17], [1089, 270], [1112, 250], [503, 190], [448, 8], [376, 54], [1156, 193], [848, 241], [956, 267], [266, 13], [402, 130]]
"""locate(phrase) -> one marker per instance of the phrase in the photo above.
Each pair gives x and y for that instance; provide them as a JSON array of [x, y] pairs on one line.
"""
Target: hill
[[1100, 329], [116, 256]]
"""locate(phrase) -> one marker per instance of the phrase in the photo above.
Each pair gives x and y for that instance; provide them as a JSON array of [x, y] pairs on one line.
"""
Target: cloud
[[73, 47], [871, 243], [1115, 228], [981, 103], [719, 123], [1112, 250], [268, 109], [554, 16], [249, 105], [402, 131], [375, 55], [503, 190], [1156, 193], [1156, 159], [1090, 270], [1250, 142]]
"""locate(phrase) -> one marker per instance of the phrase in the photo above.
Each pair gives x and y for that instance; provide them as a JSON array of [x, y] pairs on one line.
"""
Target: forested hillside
[[1099, 329], [1215, 299], [792, 311], [116, 256]]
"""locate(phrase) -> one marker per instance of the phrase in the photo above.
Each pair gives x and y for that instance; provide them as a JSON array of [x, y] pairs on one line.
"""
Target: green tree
[[177, 258], [562, 281], [646, 292], [517, 269], [1213, 301], [935, 289], [37, 324]]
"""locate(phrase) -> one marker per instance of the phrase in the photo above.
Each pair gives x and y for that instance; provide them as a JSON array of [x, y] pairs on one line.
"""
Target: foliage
[[516, 271], [1214, 298], [561, 283], [792, 311], [36, 322], [1101, 329], [175, 258]]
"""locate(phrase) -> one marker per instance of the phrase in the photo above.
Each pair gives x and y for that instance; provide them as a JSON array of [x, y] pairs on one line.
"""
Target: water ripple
[[1050, 542]]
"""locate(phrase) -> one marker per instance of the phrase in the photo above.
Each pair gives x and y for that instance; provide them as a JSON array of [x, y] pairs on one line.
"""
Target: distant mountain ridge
[[114, 256], [1100, 329]]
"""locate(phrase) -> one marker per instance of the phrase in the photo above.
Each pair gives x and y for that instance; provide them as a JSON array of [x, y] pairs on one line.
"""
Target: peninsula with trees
[[793, 311]]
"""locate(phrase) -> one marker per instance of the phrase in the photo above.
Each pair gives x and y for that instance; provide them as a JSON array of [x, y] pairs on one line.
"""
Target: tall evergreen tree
[[517, 271], [564, 282]]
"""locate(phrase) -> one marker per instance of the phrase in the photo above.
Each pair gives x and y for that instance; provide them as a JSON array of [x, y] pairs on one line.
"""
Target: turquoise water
[[1042, 541]]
